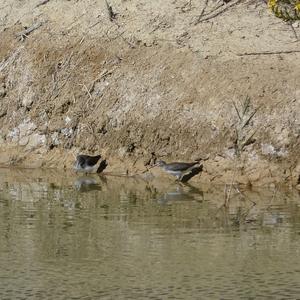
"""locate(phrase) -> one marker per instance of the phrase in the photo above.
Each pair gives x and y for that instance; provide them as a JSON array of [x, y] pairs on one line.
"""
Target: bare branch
[[202, 12], [23, 34], [217, 12], [43, 2], [237, 111], [250, 118], [268, 53], [112, 15]]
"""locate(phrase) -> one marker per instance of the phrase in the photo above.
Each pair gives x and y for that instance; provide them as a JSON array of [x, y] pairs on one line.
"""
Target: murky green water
[[64, 237]]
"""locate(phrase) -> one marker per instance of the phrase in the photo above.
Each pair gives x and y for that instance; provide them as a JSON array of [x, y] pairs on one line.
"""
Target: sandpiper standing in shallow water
[[86, 163], [177, 169]]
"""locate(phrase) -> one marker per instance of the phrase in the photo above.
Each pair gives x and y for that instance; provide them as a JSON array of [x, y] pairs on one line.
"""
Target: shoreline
[[148, 86], [213, 173]]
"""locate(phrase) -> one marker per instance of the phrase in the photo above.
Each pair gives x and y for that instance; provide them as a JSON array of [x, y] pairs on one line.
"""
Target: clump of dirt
[[158, 80]]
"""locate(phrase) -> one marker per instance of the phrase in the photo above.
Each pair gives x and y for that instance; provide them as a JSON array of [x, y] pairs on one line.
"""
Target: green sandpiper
[[86, 163], [177, 169]]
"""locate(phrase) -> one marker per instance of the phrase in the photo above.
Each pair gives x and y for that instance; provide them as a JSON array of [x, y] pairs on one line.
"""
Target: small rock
[[27, 101], [122, 151], [35, 140], [272, 185], [26, 127], [14, 135], [67, 132], [55, 139], [67, 120], [23, 141], [230, 153], [267, 149]]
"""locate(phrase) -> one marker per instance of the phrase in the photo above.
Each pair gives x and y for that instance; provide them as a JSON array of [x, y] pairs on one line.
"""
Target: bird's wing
[[179, 166], [92, 160]]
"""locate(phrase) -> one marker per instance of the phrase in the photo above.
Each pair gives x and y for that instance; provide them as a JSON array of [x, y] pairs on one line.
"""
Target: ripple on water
[[130, 239]]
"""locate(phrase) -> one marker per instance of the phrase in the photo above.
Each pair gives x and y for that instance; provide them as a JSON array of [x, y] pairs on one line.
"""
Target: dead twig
[[95, 24], [217, 12], [54, 96], [129, 43], [55, 80], [107, 32], [4, 19], [268, 53], [202, 13], [249, 140], [186, 7], [87, 90], [241, 217], [90, 90], [10, 59], [244, 196], [103, 74], [116, 174], [294, 32], [250, 117], [43, 2], [112, 15], [24, 34], [73, 24], [245, 115], [228, 193], [271, 201], [237, 111], [205, 14]]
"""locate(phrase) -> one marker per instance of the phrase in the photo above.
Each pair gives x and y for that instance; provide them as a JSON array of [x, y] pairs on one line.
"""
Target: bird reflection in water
[[86, 184], [181, 192]]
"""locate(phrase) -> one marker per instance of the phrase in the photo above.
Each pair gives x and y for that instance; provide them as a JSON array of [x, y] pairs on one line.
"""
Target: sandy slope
[[156, 81]]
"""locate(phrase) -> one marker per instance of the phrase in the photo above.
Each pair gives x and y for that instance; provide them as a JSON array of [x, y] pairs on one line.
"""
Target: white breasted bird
[[177, 169], [86, 163]]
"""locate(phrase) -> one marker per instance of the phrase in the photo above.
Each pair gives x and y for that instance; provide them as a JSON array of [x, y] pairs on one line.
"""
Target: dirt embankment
[[176, 80]]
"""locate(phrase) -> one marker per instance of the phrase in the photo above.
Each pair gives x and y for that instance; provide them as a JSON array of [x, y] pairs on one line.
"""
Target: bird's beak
[[156, 164]]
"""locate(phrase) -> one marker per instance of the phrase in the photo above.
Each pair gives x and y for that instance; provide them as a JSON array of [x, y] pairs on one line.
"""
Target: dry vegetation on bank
[[151, 79]]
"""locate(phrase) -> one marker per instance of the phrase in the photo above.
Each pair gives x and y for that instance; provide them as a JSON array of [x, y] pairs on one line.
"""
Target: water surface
[[64, 236]]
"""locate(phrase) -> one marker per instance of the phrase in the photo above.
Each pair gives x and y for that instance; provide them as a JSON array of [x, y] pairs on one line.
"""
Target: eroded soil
[[159, 80]]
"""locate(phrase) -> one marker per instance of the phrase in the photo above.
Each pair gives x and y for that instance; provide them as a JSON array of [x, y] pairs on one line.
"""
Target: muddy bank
[[151, 83]]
